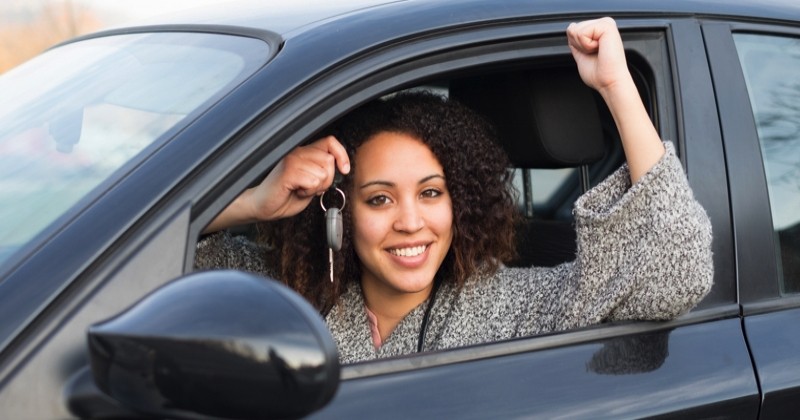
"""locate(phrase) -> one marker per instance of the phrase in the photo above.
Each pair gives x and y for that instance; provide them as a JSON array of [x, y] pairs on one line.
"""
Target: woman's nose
[[409, 218]]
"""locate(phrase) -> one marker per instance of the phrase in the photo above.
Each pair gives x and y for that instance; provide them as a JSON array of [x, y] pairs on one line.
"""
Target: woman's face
[[402, 214]]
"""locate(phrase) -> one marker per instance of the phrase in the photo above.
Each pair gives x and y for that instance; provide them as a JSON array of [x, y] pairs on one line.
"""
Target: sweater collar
[[350, 326]]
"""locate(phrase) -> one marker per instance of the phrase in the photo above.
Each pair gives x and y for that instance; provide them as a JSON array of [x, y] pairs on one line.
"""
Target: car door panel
[[695, 370], [33, 380], [774, 340]]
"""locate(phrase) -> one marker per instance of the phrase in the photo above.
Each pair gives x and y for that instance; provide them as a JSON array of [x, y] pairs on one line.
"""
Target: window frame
[[426, 59], [758, 283]]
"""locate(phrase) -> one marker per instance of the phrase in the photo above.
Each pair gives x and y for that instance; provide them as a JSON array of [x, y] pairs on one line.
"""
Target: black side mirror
[[217, 343]]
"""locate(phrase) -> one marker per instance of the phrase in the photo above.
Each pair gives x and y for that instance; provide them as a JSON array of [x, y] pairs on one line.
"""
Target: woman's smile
[[408, 251], [410, 257]]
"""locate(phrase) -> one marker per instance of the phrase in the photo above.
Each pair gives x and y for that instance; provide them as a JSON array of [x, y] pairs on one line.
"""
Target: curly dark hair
[[477, 177]]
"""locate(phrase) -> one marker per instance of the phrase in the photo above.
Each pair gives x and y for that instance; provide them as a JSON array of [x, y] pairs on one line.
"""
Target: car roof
[[290, 19], [276, 17], [286, 18]]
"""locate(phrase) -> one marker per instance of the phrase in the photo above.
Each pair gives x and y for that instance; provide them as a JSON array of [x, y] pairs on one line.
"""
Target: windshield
[[75, 116]]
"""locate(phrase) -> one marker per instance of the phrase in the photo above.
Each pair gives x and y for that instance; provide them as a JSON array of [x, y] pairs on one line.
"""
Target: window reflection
[[83, 111], [631, 354], [770, 66]]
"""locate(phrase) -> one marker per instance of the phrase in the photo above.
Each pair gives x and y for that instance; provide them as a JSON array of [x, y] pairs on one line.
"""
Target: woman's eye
[[377, 200], [431, 193]]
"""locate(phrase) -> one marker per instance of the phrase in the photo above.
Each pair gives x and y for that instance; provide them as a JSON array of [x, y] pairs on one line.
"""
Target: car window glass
[[82, 111], [770, 65], [547, 188]]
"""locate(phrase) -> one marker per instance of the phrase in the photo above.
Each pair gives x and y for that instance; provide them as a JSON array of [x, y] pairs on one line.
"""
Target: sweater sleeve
[[223, 250], [644, 251]]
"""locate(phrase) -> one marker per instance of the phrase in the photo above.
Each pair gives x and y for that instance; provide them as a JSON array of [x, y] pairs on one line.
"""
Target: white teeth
[[409, 252]]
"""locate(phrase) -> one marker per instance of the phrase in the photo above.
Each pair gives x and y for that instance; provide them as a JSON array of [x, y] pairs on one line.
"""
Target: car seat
[[544, 118]]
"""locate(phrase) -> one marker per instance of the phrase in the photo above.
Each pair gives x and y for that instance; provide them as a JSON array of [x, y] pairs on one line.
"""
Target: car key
[[333, 228]]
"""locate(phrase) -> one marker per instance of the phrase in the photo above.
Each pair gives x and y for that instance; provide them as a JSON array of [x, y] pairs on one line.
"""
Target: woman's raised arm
[[597, 48]]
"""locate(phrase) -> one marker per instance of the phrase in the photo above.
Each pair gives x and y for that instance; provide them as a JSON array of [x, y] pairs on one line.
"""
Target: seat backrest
[[545, 118]]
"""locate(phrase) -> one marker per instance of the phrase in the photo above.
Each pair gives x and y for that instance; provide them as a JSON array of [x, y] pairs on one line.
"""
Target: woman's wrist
[[238, 212], [620, 93]]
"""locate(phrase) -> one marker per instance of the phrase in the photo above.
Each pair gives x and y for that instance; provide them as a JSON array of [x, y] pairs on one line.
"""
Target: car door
[[698, 365], [758, 89]]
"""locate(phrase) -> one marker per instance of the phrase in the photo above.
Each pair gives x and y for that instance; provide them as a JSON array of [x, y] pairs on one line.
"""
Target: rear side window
[[770, 65]]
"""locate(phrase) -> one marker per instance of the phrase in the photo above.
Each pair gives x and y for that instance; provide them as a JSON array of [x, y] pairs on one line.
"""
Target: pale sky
[[142, 9], [116, 11]]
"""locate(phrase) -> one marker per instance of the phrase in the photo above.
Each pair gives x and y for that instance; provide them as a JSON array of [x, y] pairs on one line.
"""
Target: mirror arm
[[84, 400]]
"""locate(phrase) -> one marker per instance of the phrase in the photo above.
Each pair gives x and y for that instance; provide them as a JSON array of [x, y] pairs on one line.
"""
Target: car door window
[[770, 66]]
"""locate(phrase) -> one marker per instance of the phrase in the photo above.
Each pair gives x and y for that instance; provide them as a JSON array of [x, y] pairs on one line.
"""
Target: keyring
[[321, 204]]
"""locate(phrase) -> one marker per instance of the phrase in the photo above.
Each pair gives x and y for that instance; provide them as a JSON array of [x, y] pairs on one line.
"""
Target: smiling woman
[[433, 218], [403, 216]]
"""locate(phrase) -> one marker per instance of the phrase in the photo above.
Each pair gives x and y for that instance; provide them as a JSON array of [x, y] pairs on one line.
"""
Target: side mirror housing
[[217, 343]]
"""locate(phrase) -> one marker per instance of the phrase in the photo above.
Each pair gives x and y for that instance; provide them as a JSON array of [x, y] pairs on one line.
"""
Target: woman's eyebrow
[[430, 177], [377, 182], [392, 184]]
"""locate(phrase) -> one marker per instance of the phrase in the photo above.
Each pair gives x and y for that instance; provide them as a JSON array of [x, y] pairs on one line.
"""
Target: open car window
[[547, 196]]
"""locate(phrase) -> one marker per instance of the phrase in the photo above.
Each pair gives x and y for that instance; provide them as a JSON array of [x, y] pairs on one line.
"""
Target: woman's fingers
[[305, 172], [597, 48], [310, 170], [583, 37], [332, 146]]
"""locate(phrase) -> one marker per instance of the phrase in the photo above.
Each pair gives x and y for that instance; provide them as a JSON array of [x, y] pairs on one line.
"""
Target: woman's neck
[[390, 306]]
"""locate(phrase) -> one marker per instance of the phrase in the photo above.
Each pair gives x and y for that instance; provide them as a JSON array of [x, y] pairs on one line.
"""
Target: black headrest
[[545, 118]]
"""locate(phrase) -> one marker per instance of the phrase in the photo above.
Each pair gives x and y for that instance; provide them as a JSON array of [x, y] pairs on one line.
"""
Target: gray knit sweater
[[644, 253]]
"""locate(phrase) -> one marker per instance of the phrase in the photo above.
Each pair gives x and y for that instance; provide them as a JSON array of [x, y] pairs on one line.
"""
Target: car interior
[[547, 120], [560, 138]]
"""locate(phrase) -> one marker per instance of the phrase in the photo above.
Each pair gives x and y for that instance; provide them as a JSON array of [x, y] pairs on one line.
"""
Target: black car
[[118, 148]]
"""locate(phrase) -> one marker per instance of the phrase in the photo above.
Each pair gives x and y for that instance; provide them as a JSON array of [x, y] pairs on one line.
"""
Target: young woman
[[429, 220]]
